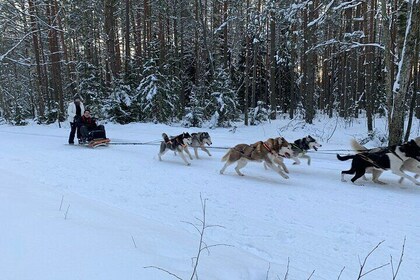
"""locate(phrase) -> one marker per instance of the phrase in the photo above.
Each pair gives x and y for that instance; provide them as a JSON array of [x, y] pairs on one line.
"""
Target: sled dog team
[[271, 152]]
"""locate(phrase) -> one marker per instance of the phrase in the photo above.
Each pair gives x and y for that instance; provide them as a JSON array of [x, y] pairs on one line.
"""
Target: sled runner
[[97, 142]]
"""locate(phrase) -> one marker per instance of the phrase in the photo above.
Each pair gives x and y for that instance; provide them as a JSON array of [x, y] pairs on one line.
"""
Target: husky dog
[[175, 144], [199, 140], [300, 147], [410, 165], [392, 158], [265, 151]]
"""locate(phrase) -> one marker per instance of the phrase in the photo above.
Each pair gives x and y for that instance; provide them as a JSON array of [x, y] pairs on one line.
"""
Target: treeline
[[214, 61]]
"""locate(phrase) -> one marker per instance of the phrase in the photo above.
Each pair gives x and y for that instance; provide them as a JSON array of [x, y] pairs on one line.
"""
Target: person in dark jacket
[[90, 129], [75, 111]]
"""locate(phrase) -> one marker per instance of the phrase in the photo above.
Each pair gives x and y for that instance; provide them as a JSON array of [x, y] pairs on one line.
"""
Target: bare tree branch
[[394, 274], [159, 268]]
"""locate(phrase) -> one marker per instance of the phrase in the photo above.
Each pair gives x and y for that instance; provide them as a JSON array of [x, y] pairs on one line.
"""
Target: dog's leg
[[342, 177], [375, 177], [359, 173], [183, 157], [196, 152], [400, 173], [297, 161], [277, 169], [241, 164], [224, 167], [265, 166], [207, 151], [308, 158], [162, 150], [161, 154], [350, 171], [280, 163], [188, 152], [411, 166]]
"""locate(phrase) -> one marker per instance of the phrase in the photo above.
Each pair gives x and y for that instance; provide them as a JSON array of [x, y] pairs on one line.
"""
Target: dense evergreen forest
[[211, 61]]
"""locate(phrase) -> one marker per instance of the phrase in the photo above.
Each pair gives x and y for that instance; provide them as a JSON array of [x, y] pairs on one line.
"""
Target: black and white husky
[[392, 158], [410, 165], [177, 143], [300, 147]]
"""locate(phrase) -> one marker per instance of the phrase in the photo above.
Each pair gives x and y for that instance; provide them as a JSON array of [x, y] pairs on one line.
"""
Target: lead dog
[[177, 143], [410, 165], [199, 140], [300, 147], [391, 158], [260, 151]]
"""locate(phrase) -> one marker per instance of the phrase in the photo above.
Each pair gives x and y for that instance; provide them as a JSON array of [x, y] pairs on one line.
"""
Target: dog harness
[[270, 150], [176, 143]]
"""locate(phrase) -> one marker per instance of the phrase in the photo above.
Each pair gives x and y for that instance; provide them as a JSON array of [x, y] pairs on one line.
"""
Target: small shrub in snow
[[259, 114], [376, 137]]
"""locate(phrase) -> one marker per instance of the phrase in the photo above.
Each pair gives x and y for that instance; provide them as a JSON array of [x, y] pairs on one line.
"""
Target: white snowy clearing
[[123, 210]]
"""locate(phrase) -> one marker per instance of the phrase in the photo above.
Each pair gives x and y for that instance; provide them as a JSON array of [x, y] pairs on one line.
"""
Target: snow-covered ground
[[123, 210]]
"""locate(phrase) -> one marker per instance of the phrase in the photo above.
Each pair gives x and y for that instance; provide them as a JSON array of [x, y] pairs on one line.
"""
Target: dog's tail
[[343, 158], [356, 146], [165, 137], [225, 157]]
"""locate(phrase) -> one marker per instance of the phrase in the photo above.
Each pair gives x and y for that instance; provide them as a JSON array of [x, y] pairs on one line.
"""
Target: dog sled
[[98, 142], [94, 138]]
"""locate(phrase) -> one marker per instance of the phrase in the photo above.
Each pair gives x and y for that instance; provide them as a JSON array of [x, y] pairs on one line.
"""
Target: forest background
[[212, 62]]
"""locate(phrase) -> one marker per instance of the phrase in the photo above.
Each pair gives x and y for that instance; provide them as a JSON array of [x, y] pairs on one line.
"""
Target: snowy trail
[[313, 218]]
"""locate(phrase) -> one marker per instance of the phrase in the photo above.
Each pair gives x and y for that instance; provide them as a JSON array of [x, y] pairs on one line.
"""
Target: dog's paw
[[286, 177], [188, 164], [343, 180], [379, 182]]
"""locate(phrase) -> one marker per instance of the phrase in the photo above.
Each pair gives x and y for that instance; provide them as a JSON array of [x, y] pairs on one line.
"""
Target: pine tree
[[120, 105], [223, 100], [157, 95], [195, 111]]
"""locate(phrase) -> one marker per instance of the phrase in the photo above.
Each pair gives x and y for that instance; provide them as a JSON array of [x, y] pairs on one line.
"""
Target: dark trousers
[[93, 133], [74, 128]]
